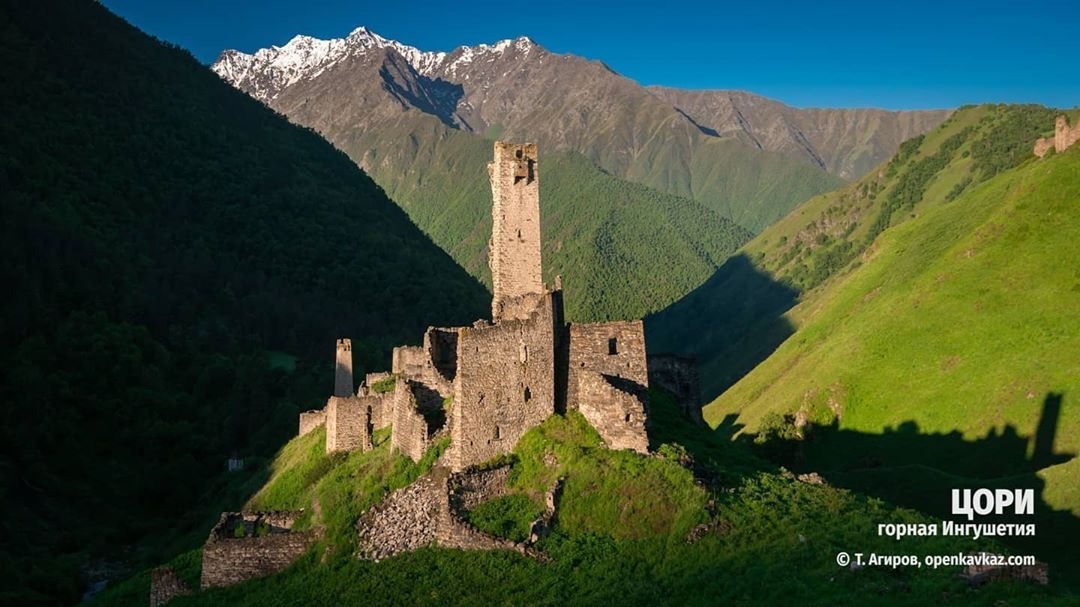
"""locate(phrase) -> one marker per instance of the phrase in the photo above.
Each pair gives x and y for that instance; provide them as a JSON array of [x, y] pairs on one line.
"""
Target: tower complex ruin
[[488, 384]]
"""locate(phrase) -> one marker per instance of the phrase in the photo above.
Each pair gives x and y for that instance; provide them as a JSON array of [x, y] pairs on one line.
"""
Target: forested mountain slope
[[178, 261]]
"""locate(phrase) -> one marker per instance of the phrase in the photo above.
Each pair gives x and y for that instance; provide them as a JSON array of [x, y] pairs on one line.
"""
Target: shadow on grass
[[730, 324], [918, 470]]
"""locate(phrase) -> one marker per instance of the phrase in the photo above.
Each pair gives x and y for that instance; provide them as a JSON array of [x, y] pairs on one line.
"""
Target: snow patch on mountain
[[268, 71]]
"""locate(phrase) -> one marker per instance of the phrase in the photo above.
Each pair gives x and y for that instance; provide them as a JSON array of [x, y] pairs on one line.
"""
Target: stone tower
[[1064, 137], [343, 379], [514, 250]]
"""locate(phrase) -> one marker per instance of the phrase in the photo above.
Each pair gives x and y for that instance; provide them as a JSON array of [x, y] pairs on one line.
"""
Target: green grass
[[943, 351], [619, 537]]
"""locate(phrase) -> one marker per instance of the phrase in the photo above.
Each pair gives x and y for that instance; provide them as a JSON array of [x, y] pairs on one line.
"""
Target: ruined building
[[1063, 138], [488, 384]]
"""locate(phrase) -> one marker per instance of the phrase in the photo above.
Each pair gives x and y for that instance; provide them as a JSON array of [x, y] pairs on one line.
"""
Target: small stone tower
[[343, 380], [514, 249]]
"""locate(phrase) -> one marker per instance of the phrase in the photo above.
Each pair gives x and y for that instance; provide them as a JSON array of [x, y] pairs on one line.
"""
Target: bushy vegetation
[[179, 260]]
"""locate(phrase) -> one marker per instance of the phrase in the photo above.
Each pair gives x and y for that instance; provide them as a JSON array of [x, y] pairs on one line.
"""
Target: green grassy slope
[[177, 262], [734, 320], [950, 354], [620, 534], [623, 250]]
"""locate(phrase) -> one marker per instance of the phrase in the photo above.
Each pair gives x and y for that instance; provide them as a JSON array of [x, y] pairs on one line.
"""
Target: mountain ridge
[[809, 135]]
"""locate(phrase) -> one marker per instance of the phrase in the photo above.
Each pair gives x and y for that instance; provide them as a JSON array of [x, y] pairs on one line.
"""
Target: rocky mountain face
[[568, 102], [844, 142], [367, 94]]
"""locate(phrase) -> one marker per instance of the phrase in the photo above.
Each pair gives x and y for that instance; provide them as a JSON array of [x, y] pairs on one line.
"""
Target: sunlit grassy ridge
[[963, 318], [949, 350]]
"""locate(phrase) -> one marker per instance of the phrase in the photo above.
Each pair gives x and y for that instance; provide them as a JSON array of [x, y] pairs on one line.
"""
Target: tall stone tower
[[343, 379], [514, 250]]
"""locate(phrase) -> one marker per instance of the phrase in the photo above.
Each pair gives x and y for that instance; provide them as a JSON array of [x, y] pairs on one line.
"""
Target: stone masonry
[[1064, 138], [608, 381], [431, 512], [488, 384], [246, 545], [514, 251], [485, 386], [410, 429], [347, 424], [505, 385], [343, 377], [309, 420]]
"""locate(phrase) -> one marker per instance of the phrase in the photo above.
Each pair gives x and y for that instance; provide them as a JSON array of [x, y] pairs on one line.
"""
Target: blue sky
[[818, 53]]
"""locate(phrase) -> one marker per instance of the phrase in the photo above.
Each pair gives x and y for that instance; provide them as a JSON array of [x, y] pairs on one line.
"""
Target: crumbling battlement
[[246, 545], [1064, 137]]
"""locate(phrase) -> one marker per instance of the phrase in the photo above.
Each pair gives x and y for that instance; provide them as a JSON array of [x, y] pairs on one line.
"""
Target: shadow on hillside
[[918, 470], [730, 324]]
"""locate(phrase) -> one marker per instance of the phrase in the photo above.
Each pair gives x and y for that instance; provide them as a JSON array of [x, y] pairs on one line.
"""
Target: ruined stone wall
[[382, 410], [678, 375], [418, 516], [440, 343], [608, 380], [165, 586], [470, 488], [410, 429], [373, 378], [263, 548], [615, 409], [514, 249], [403, 521], [309, 420], [504, 387], [343, 378], [416, 363], [1064, 137], [347, 424], [1043, 145]]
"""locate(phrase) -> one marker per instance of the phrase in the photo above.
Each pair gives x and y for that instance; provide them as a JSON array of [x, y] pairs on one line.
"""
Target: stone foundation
[[246, 545]]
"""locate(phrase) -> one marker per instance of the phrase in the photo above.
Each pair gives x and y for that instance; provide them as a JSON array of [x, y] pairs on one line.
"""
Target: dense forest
[[179, 260]]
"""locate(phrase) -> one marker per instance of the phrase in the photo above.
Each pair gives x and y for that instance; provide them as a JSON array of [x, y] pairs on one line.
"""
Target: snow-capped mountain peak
[[268, 71]]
